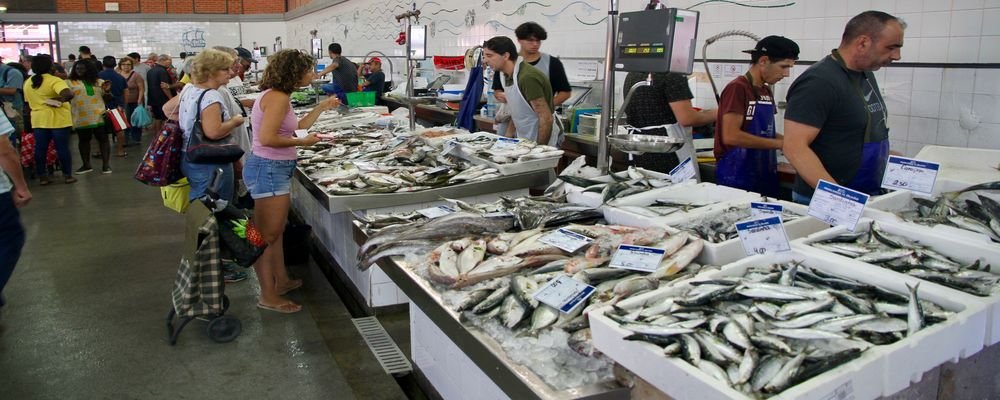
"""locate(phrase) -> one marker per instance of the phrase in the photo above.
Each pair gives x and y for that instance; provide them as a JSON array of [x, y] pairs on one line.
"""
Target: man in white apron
[[529, 94], [529, 39]]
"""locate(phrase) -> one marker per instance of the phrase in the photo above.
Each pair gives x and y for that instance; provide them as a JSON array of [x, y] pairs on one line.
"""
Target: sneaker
[[231, 276], [84, 170], [106, 170]]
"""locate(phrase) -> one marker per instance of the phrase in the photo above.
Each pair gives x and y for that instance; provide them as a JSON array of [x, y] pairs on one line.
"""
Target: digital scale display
[[655, 50]]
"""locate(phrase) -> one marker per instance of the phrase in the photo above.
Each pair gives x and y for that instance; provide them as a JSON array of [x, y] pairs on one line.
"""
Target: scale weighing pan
[[641, 144]]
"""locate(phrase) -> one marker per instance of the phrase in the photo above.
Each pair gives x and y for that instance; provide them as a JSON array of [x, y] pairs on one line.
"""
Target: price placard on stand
[[639, 258], [504, 143], [763, 235], [761, 209], [434, 212], [910, 174], [564, 293], [683, 171], [566, 240], [837, 205]]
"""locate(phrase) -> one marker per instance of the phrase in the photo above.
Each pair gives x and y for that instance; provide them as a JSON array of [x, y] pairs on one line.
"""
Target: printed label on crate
[[683, 171], [301, 133], [564, 293], [434, 212], [566, 240], [449, 147], [505, 143], [639, 258], [837, 205], [438, 170], [763, 236], [761, 209], [910, 174], [366, 165]]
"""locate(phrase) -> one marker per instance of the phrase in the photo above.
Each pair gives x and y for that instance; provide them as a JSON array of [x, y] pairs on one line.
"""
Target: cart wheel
[[225, 303], [224, 329]]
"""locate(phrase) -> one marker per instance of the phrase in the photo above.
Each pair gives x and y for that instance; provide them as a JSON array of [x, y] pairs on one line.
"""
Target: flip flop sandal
[[291, 288], [285, 308], [122, 155], [44, 182], [70, 180]]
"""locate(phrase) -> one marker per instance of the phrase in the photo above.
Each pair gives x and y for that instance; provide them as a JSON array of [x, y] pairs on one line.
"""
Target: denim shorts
[[267, 178], [200, 178]]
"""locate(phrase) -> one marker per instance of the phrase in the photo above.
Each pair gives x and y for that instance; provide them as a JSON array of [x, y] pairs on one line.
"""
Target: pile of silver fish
[[365, 160], [482, 146], [775, 326], [912, 258], [623, 184], [980, 214], [720, 227]]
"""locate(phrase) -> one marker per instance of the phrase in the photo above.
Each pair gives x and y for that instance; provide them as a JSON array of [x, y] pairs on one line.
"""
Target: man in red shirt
[[745, 140]]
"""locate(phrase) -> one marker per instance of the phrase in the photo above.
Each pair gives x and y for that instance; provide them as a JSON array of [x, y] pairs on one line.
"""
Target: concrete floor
[[86, 308]]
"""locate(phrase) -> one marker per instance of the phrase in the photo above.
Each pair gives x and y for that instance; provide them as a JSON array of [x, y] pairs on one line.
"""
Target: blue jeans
[[11, 239], [333, 89], [798, 198], [43, 136], [133, 134], [200, 178]]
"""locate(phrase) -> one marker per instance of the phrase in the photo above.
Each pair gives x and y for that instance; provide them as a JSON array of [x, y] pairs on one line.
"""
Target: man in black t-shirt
[[529, 38], [835, 125], [159, 82], [375, 80]]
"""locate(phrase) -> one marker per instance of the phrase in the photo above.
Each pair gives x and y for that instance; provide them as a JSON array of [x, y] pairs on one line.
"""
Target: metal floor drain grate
[[392, 359]]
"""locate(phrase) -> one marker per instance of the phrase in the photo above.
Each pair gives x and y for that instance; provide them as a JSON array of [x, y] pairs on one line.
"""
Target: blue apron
[[874, 155], [754, 170]]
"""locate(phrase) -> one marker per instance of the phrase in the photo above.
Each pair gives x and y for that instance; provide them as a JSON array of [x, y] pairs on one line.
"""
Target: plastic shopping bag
[[140, 117], [175, 195]]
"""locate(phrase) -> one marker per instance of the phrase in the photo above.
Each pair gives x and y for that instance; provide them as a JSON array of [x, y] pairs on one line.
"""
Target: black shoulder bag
[[202, 150]]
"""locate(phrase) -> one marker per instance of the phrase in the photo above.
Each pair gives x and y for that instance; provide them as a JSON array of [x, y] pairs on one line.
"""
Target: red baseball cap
[[375, 60]]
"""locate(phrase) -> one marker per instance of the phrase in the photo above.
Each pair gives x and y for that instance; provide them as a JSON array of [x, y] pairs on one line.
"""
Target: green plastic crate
[[361, 99]]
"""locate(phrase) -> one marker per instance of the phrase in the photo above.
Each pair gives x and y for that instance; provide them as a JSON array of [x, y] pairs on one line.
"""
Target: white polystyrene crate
[[958, 343], [712, 196], [965, 165], [732, 249], [861, 377]]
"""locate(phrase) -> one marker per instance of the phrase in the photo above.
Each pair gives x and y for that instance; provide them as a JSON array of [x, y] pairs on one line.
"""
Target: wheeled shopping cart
[[199, 289]]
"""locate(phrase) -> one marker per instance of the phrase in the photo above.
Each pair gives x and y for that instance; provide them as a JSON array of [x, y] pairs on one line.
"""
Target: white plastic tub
[[957, 248], [965, 165], [866, 377], [884, 208]]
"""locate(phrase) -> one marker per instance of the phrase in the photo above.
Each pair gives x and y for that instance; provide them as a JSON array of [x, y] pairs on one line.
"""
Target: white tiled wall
[[925, 103], [164, 37]]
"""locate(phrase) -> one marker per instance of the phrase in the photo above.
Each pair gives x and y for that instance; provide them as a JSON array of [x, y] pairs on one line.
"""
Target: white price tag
[[564, 293], [763, 236], [760, 209], [639, 258], [366, 165], [910, 174], [566, 240], [449, 146], [435, 212], [504, 143], [301, 133], [683, 171], [837, 205]]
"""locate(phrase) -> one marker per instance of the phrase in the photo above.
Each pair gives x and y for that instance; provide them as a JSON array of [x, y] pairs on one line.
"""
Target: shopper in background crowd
[[746, 143], [59, 71], [135, 96], [158, 85], [51, 117], [140, 69], [14, 194], [835, 124], [68, 65], [529, 94], [268, 170], [88, 113], [84, 53], [25, 61], [210, 72], [246, 62], [11, 92], [530, 36], [151, 60], [118, 88], [344, 72]]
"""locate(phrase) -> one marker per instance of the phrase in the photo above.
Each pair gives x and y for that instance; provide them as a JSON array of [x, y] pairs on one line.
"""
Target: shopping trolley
[[199, 288]]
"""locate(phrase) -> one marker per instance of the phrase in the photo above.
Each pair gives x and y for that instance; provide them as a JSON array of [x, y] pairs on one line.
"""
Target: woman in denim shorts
[[268, 169]]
